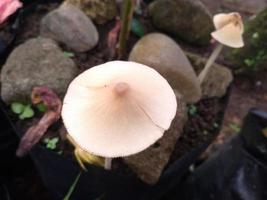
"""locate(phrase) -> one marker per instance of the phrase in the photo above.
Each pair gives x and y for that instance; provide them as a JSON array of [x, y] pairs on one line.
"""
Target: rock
[[70, 26], [164, 55], [149, 164], [99, 11], [37, 62], [253, 56], [217, 80], [188, 20]]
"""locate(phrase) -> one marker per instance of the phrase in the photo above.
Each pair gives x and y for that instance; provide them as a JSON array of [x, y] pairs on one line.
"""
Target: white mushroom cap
[[118, 108], [229, 29]]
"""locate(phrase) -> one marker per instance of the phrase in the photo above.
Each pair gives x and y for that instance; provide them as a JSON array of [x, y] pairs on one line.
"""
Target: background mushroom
[[229, 30], [118, 109]]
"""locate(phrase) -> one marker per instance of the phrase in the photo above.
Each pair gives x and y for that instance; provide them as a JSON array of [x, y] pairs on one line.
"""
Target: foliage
[[235, 127], [23, 111], [68, 54], [127, 15], [137, 28], [192, 110], [41, 107], [253, 56], [51, 143]]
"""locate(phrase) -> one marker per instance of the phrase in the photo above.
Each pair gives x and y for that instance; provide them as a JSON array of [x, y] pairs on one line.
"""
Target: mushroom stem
[[108, 163], [209, 63]]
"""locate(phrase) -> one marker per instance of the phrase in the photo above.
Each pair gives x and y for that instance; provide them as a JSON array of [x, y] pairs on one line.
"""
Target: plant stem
[[209, 63], [108, 163], [127, 15], [72, 187]]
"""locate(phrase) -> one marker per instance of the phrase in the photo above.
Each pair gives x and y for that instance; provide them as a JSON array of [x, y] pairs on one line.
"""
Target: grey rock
[[70, 26], [164, 55], [99, 11], [37, 62], [148, 164], [217, 80], [188, 20]]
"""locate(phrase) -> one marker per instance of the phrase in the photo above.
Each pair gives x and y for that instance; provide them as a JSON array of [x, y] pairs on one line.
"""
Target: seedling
[[192, 110], [229, 31], [22, 110], [41, 107], [51, 143], [68, 54], [137, 28], [235, 127]]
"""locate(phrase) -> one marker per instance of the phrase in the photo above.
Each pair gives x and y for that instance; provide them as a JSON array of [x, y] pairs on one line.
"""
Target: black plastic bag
[[238, 171]]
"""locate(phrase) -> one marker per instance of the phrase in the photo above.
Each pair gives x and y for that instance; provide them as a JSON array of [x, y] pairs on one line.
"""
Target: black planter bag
[[238, 171]]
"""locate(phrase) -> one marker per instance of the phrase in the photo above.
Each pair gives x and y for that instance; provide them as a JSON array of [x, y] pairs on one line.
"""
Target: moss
[[253, 56]]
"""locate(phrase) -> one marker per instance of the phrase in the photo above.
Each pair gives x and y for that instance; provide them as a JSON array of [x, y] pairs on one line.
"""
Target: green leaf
[[72, 187], [137, 28], [27, 112], [68, 54], [192, 110], [51, 143], [235, 127], [41, 107], [17, 108]]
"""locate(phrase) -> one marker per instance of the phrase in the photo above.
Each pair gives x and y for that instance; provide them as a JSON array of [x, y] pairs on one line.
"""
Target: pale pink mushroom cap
[[229, 29], [7, 8], [118, 108]]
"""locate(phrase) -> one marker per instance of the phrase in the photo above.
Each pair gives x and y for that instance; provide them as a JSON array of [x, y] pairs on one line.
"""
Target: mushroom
[[7, 8], [229, 31], [118, 109]]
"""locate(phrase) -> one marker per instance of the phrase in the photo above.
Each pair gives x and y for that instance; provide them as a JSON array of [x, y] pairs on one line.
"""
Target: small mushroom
[[118, 109], [7, 8], [229, 31]]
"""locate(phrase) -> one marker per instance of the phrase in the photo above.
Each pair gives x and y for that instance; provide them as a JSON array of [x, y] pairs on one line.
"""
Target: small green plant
[[41, 107], [137, 28], [68, 54], [235, 127], [22, 110], [192, 110], [127, 15], [51, 143]]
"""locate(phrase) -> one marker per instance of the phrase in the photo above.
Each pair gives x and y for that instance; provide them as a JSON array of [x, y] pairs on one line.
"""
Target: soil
[[203, 124]]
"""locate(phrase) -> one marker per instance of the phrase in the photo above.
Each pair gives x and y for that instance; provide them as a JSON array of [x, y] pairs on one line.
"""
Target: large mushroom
[[118, 109], [229, 31]]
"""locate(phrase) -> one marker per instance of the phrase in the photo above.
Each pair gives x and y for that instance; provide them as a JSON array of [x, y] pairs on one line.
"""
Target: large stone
[[99, 11], [164, 55], [149, 164], [217, 80], [70, 26], [37, 62], [253, 56], [188, 20]]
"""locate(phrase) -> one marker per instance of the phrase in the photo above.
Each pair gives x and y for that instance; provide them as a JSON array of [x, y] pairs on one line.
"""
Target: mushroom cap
[[229, 29], [118, 108]]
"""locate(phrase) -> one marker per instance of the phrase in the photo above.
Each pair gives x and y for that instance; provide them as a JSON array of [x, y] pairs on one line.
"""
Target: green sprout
[[68, 54], [192, 110], [23, 111], [137, 27], [41, 107], [235, 127], [51, 143]]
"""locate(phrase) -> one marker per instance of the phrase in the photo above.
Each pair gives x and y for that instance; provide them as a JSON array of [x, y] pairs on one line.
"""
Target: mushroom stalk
[[209, 63], [108, 163]]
